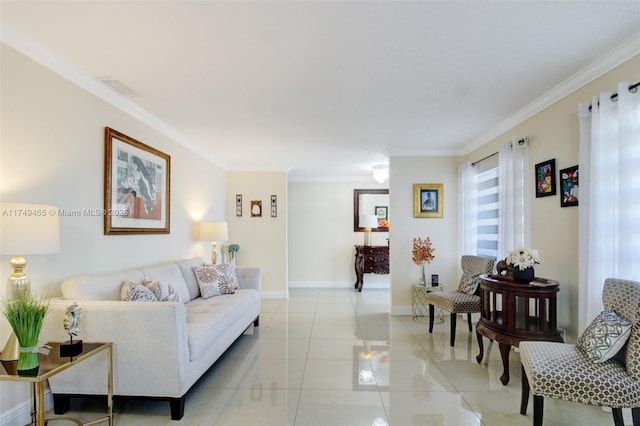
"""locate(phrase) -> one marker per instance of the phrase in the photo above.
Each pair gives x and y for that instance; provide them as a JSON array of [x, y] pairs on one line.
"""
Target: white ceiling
[[327, 88]]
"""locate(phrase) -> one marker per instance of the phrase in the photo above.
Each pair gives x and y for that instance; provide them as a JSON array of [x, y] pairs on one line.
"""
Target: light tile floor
[[336, 357]]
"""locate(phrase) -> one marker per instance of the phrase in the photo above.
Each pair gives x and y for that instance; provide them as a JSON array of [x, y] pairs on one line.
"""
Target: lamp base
[[367, 236]]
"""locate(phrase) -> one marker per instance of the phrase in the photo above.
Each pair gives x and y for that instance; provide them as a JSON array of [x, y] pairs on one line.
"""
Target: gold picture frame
[[428, 200], [136, 187]]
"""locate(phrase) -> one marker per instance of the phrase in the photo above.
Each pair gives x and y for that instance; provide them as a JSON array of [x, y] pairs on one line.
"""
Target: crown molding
[[617, 56], [18, 41]]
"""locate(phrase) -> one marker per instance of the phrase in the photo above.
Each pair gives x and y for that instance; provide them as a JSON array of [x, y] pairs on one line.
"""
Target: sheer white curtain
[[609, 217], [514, 177], [468, 209]]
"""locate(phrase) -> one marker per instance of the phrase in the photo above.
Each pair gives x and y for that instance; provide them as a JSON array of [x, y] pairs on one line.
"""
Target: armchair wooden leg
[[538, 410], [431, 314], [452, 339], [524, 397], [617, 416], [635, 415], [469, 320]]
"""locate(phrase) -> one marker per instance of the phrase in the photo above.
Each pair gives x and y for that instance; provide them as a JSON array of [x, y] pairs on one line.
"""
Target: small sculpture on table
[[71, 322], [505, 270]]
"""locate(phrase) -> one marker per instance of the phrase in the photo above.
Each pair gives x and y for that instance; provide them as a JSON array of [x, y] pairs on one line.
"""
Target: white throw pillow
[[215, 280], [132, 292], [604, 337], [469, 282], [164, 292]]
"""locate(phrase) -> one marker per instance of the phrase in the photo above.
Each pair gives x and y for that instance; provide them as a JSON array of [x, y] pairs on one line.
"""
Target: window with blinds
[[488, 212]]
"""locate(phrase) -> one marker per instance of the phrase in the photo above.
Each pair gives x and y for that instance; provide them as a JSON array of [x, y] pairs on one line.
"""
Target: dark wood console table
[[370, 260], [512, 312]]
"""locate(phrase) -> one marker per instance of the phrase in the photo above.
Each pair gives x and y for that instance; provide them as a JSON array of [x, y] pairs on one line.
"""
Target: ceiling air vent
[[119, 86]]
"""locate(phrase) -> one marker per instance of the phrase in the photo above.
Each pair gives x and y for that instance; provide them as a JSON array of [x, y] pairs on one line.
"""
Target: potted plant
[[26, 314]]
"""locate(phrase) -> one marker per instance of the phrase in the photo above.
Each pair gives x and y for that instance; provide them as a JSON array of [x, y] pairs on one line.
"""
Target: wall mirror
[[371, 201]]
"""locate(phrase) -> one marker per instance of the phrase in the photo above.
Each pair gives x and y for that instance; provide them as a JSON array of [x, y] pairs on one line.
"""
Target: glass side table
[[52, 364], [419, 305]]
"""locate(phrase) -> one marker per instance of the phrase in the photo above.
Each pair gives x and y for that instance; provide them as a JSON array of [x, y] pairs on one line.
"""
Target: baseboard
[[21, 413]]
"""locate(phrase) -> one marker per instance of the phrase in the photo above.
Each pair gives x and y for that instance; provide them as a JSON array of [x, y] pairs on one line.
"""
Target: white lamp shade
[[214, 231], [29, 229], [368, 221]]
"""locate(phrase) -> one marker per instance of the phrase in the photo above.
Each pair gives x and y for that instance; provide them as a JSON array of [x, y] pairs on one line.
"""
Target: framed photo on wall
[[136, 186], [569, 187], [545, 175], [428, 200], [382, 212]]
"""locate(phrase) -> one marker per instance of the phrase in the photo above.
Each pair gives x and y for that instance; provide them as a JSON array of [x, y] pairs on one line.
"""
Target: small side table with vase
[[419, 305]]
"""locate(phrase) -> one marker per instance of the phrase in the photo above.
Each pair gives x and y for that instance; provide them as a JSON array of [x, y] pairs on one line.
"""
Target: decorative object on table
[[504, 270], [26, 229], [256, 208], [422, 253], [26, 314], [428, 200], [136, 186], [214, 232], [233, 249], [71, 326], [274, 206], [545, 173], [238, 205], [522, 261], [569, 187], [368, 221], [434, 280]]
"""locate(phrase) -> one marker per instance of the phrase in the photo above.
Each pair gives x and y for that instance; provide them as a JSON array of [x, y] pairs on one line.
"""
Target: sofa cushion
[[169, 273], [98, 286], [209, 319], [132, 292], [215, 280], [186, 267]]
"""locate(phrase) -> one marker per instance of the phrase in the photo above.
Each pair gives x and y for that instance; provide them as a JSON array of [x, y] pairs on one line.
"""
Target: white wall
[[52, 152], [262, 240], [404, 172], [321, 237]]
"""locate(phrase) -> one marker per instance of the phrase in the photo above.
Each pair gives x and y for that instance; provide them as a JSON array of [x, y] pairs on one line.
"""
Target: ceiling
[[326, 89]]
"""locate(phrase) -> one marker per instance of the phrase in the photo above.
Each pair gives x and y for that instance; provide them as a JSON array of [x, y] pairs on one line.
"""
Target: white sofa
[[160, 349]]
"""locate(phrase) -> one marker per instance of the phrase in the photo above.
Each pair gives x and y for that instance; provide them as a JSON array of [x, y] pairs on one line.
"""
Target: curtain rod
[[614, 97], [520, 142]]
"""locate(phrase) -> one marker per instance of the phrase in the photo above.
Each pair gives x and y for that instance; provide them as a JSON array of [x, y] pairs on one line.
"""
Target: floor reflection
[[336, 357]]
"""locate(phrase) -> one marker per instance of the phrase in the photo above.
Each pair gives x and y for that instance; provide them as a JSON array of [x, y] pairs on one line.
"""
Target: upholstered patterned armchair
[[465, 299], [594, 371]]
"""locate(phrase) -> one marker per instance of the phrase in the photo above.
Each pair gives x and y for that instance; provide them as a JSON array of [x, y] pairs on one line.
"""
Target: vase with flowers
[[26, 314], [522, 261], [422, 253]]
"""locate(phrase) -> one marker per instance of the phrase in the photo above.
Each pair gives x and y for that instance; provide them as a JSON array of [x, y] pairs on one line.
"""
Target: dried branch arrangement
[[422, 251]]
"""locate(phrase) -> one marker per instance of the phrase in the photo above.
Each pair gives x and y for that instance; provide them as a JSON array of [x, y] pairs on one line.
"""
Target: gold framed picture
[[136, 186], [428, 199]]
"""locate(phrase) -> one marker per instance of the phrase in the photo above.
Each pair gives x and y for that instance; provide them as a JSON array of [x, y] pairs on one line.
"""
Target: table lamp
[[25, 229], [368, 221], [214, 232]]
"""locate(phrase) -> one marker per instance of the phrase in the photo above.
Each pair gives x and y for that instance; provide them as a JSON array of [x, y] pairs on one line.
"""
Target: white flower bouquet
[[523, 258]]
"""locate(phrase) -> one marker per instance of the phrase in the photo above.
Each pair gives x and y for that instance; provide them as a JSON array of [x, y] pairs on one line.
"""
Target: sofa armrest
[[250, 277], [150, 347]]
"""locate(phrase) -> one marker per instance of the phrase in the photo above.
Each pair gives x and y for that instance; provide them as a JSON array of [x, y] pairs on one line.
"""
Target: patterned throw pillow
[[132, 292], [469, 282], [164, 292], [215, 280], [604, 337]]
